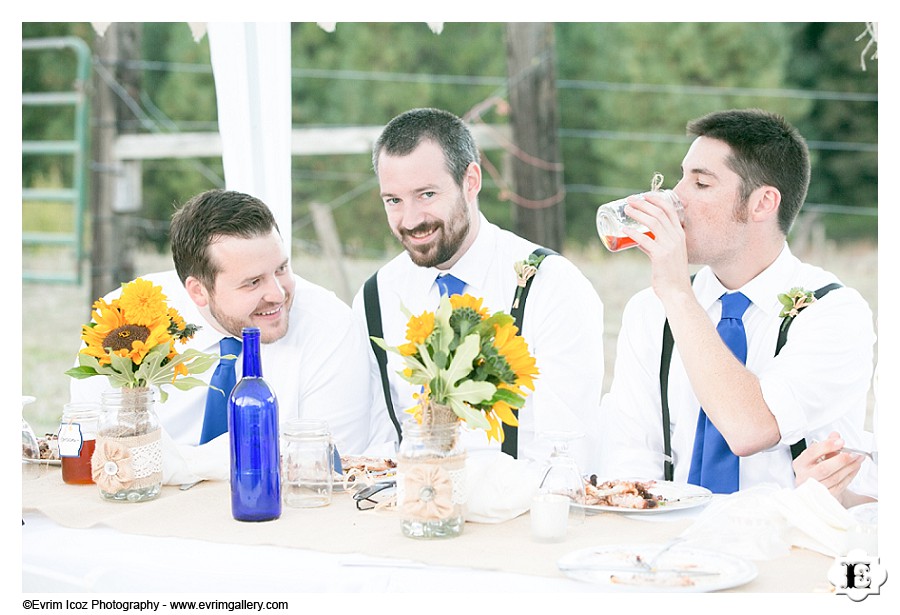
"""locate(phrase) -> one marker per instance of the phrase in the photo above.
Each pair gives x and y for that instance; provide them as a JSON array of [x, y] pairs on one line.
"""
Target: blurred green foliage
[[625, 92]]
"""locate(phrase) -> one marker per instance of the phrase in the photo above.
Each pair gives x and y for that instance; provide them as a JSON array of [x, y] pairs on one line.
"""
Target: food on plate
[[48, 448], [621, 493], [668, 580], [357, 466]]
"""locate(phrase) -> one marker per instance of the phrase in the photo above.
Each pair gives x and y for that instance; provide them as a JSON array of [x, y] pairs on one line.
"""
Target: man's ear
[[196, 291], [472, 181], [765, 201]]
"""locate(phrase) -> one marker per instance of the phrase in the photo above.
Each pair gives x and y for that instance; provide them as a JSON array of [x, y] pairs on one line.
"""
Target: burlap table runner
[[204, 513]]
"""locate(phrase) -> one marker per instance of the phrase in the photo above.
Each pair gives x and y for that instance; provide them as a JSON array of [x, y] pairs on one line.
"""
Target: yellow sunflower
[[143, 303], [113, 330], [420, 327], [462, 301], [514, 349]]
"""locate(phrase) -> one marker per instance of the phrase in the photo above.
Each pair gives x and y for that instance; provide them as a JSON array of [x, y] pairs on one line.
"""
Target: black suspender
[[666, 358], [373, 319], [510, 444]]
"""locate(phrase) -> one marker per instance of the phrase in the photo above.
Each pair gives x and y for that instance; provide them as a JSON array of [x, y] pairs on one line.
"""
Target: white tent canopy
[[252, 68]]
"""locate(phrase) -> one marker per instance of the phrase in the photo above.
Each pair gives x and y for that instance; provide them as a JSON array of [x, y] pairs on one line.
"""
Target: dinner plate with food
[[46, 451], [362, 470], [657, 568], [641, 496]]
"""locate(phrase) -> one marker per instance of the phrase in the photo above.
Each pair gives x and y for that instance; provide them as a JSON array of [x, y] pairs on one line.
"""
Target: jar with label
[[77, 438]]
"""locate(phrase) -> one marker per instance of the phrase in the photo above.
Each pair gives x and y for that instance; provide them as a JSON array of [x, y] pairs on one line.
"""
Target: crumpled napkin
[[815, 518], [746, 523], [765, 521], [188, 464], [499, 487]]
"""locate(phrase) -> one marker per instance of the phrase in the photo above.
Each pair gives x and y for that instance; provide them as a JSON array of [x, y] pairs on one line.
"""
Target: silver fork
[[873, 455], [651, 565]]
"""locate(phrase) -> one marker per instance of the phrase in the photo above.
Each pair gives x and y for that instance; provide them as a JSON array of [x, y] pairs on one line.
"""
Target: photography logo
[[857, 575]]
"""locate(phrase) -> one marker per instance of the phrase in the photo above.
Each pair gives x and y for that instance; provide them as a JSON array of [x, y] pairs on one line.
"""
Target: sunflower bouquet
[[132, 341], [471, 363]]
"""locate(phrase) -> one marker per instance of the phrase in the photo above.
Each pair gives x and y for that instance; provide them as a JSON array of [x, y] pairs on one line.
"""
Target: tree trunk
[[538, 192], [113, 236]]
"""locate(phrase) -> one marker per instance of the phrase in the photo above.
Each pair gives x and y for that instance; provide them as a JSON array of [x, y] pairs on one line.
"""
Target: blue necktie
[[713, 465], [215, 421], [450, 285]]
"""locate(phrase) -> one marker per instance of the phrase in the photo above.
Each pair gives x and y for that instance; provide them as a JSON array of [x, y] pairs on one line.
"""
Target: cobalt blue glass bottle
[[253, 434]]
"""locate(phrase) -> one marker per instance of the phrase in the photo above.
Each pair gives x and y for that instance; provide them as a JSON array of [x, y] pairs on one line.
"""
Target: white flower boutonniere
[[795, 300]]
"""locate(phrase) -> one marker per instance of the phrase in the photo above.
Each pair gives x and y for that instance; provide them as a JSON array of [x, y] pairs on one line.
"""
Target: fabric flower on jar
[[429, 493], [111, 466]]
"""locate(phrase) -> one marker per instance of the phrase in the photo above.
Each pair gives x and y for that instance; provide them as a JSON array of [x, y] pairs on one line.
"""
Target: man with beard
[[741, 404], [232, 271], [429, 172]]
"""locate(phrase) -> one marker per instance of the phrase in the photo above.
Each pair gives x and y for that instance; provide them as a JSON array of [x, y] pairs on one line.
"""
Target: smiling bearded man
[[429, 175], [232, 270]]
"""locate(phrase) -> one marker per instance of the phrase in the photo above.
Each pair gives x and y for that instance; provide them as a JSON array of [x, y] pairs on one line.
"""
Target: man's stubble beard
[[448, 242]]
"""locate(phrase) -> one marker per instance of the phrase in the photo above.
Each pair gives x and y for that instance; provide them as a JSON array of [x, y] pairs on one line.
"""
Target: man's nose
[[274, 290]]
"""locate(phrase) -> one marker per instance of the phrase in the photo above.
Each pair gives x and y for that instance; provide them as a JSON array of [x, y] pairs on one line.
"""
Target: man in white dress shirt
[[744, 179], [429, 173], [232, 270]]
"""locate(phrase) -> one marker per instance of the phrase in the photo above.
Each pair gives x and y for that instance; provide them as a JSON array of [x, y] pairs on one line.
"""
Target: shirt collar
[[763, 290], [471, 267]]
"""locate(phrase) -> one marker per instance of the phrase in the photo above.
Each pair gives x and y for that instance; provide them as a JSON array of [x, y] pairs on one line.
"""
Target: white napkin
[[817, 520], [765, 521], [746, 523], [188, 464], [499, 487]]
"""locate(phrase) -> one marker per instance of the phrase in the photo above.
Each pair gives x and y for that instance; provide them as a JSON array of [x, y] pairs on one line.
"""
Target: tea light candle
[[549, 517]]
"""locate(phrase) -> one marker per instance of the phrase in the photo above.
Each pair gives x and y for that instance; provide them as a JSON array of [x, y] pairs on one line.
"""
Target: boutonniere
[[525, 270], [795, 300]]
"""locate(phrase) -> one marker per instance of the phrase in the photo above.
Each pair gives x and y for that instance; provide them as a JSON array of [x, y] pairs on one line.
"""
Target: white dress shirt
[[817, 384], [562, 325], [318, 370]]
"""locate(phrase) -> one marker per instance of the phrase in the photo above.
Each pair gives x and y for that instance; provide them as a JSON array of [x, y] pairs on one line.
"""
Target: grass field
[[52, 315]]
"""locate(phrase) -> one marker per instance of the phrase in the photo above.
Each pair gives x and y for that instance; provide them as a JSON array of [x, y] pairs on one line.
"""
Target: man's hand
[[824, 462]]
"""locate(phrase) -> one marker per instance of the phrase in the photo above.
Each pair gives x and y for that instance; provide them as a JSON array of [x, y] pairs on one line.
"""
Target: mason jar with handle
[[612, 219]]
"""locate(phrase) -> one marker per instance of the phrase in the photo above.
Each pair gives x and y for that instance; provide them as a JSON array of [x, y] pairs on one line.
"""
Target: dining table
[[186, 540]]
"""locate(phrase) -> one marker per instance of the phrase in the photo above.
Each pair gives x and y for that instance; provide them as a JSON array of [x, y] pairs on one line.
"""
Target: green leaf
[[471, 392], [81, 372], [473, 418], [513, 399], [188, 383], [461, 365], [442, 335], [381, 343], [197, 362]]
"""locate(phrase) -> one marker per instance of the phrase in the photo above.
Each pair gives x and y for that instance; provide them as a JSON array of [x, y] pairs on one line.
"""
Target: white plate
[[683, 569], [678, 496]]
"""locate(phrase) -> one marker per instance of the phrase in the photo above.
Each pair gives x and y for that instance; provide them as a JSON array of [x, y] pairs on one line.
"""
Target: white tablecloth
[[186, 541]]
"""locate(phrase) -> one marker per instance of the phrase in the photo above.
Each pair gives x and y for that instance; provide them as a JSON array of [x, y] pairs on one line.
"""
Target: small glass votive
[[549, 517], [307, 463]]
